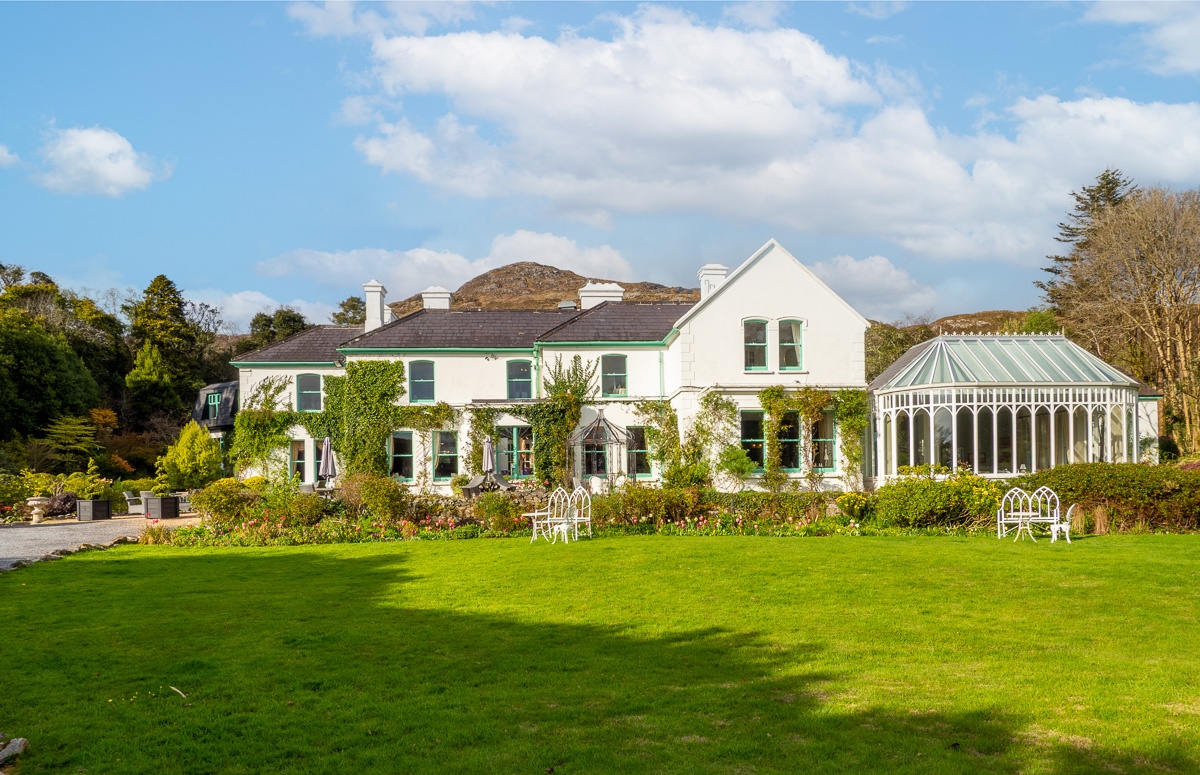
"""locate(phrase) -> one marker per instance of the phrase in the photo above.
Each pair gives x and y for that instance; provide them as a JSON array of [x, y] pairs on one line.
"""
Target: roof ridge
[[317, 326]]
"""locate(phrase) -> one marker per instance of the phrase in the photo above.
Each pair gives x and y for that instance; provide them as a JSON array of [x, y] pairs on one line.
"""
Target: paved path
[[29, 542]]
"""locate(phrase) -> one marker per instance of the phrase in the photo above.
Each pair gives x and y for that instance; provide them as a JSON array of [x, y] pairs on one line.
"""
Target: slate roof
[[619, 322], [998, 360], [226, 410], [314, 345], [454, 328]]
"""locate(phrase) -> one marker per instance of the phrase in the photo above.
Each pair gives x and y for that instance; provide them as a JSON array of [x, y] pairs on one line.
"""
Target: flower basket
[[88, 510], [162, 507]]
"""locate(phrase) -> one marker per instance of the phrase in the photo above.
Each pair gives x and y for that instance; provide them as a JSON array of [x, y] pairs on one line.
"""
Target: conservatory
[[1002, 405]]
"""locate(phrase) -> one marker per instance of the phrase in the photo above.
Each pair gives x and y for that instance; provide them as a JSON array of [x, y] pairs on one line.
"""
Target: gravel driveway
[[29, 542]]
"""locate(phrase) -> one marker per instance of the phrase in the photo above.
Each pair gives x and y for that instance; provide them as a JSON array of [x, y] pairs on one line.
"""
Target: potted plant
[[162, 505], [89, 506]]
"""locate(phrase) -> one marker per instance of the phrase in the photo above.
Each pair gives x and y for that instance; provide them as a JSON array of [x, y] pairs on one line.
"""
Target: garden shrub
[[61, 504], [193, 460], [637, 504], [772, 505], [13, 489], [497, 511], [955, 500], [256, 484], [855, 505], [1131, 494], [382, 497], [225, 502]]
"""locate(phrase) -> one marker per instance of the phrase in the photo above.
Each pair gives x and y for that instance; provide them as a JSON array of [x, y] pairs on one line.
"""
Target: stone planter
[[89, 510], [162, 507], [38, 504]]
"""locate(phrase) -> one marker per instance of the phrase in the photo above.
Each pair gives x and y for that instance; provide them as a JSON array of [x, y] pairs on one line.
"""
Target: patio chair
[[580, 511], [134, 504], [502, 483], [185, 501], [1063, 526], [307, 489], [547, 521]]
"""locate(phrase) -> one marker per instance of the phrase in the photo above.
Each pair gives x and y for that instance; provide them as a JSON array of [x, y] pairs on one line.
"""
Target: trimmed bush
[[957, 500], [61, 505], [225, 502], [1134, 496], [496, 510]]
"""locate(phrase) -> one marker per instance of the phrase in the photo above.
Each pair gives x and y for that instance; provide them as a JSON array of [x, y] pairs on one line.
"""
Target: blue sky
[[917, 156]]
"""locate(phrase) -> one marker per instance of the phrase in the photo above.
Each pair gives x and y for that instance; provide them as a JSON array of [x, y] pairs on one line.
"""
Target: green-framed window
[[420, 381], [520, 380], [445, 455], [638, 464], [401, 454], [753, 440], [514, 451], [789, 441], [308, 393], [213, 406], [791, 345], [614, 379], [754, 338], [824, 440], [296, 464]]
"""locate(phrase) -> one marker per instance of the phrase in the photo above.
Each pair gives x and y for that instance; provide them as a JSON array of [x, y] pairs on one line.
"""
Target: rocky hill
[[526, 285]]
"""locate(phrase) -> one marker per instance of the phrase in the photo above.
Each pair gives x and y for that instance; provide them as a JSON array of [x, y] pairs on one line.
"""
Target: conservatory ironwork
[[1001, 430]]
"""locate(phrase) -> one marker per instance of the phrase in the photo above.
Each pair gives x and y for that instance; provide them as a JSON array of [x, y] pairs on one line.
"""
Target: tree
[[152, 385], [352, 311], [193, 460], [73, 440], [160, 318], [1110, 190], [1132, 294], [269, 328], [885, 342]]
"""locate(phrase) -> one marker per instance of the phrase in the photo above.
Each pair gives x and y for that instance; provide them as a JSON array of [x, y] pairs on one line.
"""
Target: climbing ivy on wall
[[852, 411], [809, 403], [260, 430], [687, 459], [567, 389], [483, 427]]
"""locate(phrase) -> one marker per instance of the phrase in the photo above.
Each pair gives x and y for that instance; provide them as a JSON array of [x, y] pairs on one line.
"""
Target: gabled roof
[[618, 322], [770, 245], [1019, 359], [314, 345], [428, 329]]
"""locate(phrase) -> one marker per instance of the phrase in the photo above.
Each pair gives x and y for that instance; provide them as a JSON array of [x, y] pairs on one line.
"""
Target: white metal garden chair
[[1014, 508], [580, 511], [550, 520]]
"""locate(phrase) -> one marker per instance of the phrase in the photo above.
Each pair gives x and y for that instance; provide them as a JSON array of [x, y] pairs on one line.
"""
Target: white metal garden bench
[[579, 512], [1020, 510], [553, 521]]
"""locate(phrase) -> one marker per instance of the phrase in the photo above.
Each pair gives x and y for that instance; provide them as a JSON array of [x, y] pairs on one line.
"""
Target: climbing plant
[[852, 412], [809, 404], [567, 389], [483, 427], [260, 429], [687, 459]]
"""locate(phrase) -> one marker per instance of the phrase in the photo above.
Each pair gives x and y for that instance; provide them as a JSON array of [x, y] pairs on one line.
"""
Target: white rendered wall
[[1147, 424]]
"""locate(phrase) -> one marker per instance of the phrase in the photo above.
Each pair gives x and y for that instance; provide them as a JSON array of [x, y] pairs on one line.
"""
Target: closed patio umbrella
[[328, 467], [489, 456]]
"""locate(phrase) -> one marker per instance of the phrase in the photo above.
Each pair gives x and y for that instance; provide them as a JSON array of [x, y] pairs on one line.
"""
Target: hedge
[[1134, 495]]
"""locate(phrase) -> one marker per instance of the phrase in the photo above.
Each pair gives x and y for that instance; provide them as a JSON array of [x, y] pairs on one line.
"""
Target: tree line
[[112, 379]]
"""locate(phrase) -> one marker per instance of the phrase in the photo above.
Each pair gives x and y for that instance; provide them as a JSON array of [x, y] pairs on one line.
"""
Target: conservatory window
[[639, 454], [752, 437], [789, 441], [790, 353], [402, 456], [595, 453], [308, 393], [420, 381], [520, 380], [754, 336], [612, 375], [823, 441], [445, 454]]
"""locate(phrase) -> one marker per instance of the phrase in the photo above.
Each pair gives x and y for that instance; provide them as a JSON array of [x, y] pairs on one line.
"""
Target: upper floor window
[[753, 440], [520, 380], [213, 407], [613, 380], [308, 393], [420, 381], [754, 335], [791, 354]]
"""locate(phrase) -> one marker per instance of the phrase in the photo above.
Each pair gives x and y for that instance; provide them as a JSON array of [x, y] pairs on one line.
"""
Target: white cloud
[[755, 14], [1171, 31], [7, 157], [406, 272], [876, 287], [667, 115], [346, 19], [239, 307], [95, 161], [876, 10]]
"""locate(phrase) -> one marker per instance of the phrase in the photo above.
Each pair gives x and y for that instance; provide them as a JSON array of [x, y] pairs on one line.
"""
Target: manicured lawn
[[638, 654]]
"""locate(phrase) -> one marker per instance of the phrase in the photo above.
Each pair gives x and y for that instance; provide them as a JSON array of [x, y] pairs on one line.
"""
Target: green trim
[[309, 364], [607, 345], [431, 350]]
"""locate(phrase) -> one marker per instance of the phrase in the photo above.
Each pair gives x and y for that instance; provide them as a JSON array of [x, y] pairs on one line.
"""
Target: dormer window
[[308, 393], [754, 336], [213, 406], [791, 354]]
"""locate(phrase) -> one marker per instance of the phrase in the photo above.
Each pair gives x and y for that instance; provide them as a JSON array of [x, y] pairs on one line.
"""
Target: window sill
[[787, 370], [758, 371]]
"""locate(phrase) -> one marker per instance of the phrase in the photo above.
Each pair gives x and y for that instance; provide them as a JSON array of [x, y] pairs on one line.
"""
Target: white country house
[[771, 321]]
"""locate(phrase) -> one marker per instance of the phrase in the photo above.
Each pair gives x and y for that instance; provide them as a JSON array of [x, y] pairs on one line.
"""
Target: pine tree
[[351, 312]]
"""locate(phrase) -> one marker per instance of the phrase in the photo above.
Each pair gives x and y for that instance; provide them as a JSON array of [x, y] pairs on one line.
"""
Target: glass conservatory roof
[[1016, 359]]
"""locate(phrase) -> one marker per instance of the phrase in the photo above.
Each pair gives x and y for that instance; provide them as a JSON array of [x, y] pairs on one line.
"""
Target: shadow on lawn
[[304, 662]]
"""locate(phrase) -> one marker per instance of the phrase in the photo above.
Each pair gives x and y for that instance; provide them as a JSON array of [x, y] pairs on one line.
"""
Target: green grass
[[635, 654]]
